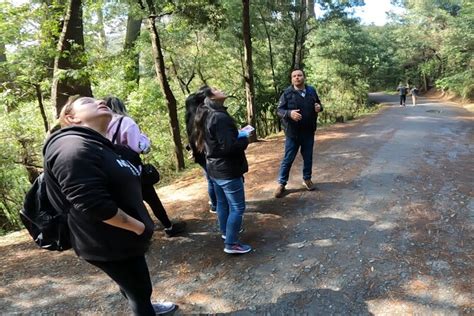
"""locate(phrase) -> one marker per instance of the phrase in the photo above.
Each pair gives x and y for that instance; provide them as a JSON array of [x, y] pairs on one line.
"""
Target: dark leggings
[[152, 199], [403, 99], [133, 278]]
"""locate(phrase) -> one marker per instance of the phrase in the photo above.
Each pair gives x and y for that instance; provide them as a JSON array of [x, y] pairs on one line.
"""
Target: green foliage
[[340, 62], [20, 147]]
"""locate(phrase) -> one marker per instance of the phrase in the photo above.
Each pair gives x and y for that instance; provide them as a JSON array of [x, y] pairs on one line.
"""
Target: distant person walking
[[402, 91], [414, 94], [298, 109]]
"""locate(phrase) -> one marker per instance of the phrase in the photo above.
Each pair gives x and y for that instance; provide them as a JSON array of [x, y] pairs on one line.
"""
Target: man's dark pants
[[403, 99], [304, 142]]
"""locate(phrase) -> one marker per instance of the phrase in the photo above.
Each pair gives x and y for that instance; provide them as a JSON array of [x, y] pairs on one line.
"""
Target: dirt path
[[389, 232]]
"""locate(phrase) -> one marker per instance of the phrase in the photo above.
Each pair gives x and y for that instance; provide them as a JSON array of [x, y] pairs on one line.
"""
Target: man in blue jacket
[[298, 109]]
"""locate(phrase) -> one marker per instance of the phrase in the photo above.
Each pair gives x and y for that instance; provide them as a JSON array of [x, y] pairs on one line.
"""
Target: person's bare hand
[[295, 115], [317, 107], [140, 229]]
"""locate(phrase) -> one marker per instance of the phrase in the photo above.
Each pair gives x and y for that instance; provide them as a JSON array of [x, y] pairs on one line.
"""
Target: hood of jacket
[[78, 131]]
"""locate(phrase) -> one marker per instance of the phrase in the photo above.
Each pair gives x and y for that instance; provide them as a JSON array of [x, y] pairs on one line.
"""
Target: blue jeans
[[292, 145], [211, 191], [230, 207]]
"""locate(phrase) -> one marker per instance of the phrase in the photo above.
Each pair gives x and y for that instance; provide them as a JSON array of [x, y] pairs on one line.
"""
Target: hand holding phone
[[246, 131]]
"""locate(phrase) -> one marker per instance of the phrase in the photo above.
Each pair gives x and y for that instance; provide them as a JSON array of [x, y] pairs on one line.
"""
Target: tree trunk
[[39, 97], [3, 56], [300, 36], [132, 69], [100, 22], [270, 55], [310, 9], [276, 120], [165, 87], [70, 58], [249, 83]]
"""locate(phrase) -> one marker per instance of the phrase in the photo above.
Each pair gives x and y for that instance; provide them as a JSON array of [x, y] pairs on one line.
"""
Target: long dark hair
[[116, 105], [203, 110], [192, 103]]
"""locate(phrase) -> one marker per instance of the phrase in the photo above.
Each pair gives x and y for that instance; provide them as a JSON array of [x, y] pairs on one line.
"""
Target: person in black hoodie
[[109, 224], [217, 136]]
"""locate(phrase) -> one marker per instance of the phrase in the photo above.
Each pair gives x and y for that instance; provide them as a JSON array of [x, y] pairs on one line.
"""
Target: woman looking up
[[217, 136], [109, 224]]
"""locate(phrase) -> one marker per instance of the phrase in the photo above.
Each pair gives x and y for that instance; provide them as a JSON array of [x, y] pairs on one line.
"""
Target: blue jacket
[[291, 99]]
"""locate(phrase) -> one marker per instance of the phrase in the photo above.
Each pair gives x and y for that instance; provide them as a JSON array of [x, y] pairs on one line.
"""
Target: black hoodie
[[85, 176]]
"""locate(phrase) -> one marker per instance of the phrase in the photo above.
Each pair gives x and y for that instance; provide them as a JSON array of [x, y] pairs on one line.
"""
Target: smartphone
[[248, 129]]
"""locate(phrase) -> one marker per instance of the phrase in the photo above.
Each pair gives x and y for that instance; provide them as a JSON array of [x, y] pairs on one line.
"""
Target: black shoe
[[164, 308], [175, 229]]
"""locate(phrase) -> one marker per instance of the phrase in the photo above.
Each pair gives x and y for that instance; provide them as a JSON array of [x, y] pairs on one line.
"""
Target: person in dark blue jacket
[[298, 109], [109, 225], [216, 135]]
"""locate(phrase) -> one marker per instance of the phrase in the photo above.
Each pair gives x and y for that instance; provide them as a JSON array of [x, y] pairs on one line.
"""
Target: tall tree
[[134, 25], [300, 21], [248, 66], [159, 62], [69, 77], [100, 24]]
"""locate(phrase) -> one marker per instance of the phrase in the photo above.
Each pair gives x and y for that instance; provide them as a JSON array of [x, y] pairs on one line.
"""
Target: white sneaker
[[164, 308]]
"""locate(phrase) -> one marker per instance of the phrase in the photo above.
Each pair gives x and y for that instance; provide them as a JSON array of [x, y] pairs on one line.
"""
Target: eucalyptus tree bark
[[70, 59], [134, 25], [160, 69], [248, 67]]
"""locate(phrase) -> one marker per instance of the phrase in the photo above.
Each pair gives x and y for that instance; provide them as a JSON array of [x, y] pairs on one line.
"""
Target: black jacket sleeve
[[81, 178], [282, 109], [226, 134]]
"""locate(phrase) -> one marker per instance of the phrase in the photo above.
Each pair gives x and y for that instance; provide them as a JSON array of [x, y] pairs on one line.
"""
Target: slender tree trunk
[[54, 11], [270, 54], [310, 8], [39, 97], [70, 58], [165, 87], [3, 71], [132, 69], [249, 83], [100, 22], [3, 56], [276, 120], [300, 36]]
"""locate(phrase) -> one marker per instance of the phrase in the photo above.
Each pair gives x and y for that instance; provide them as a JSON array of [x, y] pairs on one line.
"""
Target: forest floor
[[390, 231]]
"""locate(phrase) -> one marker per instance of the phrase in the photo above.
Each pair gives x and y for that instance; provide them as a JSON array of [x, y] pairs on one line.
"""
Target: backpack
[[44, 223]]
